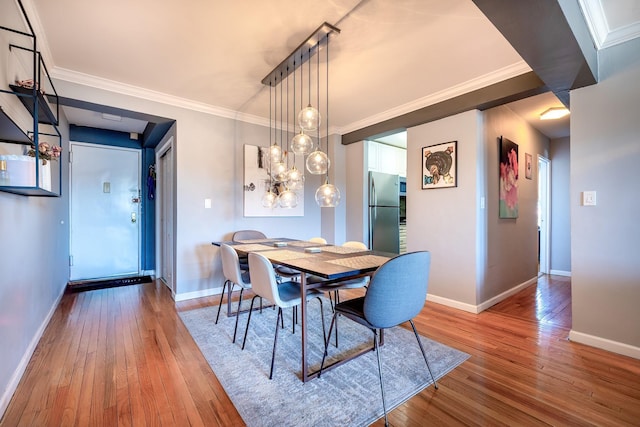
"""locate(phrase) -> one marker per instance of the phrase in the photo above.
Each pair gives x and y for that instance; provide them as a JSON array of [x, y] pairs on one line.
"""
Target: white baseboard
[[605, 344], [151, 273], [560, 273], [197, 294], [475, 309], [5, 399], [453, 303], [506, 294]]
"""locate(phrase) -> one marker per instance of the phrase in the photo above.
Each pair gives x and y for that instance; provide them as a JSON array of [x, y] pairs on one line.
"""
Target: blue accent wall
[[148, 205]]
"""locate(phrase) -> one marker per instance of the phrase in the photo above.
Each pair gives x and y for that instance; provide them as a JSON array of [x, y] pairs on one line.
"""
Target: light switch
[[588, 198], [106, 187], [207, 203]]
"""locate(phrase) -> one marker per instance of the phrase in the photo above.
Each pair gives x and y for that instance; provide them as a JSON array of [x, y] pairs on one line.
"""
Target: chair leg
[[375, 344], [244, 341], [275, 341], [324, 335], [224, 286], [435, 384], [326, 344], [235, 330]]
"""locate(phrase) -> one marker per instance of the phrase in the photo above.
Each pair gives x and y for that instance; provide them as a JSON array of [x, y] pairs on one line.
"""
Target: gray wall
[[560, 244], [605, 153], [444, 221], [512, 246], [34, 270]]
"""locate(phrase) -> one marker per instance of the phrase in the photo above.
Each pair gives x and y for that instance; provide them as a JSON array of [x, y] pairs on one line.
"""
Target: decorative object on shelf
[[309, 118], [439, 165], [45, 152], [4, 173], [508, 178]]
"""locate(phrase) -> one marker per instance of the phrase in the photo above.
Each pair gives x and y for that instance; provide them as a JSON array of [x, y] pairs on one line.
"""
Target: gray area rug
[[348, 395]]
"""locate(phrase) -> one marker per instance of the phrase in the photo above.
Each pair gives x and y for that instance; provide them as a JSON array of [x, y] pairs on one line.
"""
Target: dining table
[[332, 263]]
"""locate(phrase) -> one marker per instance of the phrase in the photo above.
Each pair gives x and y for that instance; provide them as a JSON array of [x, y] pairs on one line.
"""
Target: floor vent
[[90, 285]]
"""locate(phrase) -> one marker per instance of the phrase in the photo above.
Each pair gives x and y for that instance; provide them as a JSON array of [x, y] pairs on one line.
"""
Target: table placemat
[[341, 249], [364, 261], [303, 244], [284, 254], [256, 240], [253, 247]]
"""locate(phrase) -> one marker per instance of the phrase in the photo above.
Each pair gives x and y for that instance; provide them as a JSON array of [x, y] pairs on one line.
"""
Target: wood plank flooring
[[122, 356]]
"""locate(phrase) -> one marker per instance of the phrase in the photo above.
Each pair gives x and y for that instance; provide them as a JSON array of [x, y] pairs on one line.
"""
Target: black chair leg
[[275, 341], [324, 335], [224, 286], [326, 344], [435, 384], [235, 330], [384, 407], [244, 341]]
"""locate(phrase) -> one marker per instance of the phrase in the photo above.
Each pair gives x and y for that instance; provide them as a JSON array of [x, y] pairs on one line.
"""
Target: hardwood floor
[[122, 356]]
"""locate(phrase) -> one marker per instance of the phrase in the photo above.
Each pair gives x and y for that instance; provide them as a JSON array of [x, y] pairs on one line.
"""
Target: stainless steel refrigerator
[[384, 212]]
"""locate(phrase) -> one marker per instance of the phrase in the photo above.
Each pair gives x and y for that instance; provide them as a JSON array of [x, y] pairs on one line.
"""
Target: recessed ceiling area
[[98, 120]]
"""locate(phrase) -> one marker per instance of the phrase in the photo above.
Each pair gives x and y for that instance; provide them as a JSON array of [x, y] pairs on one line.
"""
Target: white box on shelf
[[22, 171]]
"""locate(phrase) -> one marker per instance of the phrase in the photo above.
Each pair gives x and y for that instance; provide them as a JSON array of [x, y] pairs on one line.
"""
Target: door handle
[[133, 217]]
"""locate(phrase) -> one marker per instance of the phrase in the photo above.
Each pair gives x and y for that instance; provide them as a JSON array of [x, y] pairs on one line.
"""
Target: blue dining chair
[[396, 294], [283, 295]]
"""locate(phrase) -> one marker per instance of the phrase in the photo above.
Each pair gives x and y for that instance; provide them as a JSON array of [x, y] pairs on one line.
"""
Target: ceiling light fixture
[[308, 119], [554, 113]]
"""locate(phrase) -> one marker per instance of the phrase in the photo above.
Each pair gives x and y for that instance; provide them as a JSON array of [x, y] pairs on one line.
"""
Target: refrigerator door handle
[[372, 220]]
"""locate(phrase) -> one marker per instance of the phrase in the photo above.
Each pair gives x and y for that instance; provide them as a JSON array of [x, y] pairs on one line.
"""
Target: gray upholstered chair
[[396, 294], [247, 235], [241, 235], [234, 276], [283, 295]]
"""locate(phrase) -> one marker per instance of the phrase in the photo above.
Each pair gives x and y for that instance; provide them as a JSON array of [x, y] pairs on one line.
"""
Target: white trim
[[506, 294], [152, 95], [12, 385], [453, 303], [605, 344], [602, 35], [497, 76], [197, 294], [151, 273], [560, 273]]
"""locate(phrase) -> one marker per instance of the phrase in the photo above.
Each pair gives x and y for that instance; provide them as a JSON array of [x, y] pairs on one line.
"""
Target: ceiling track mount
[[301, 54]]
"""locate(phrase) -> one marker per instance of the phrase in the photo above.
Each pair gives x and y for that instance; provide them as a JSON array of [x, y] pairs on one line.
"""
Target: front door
[[105, 211]]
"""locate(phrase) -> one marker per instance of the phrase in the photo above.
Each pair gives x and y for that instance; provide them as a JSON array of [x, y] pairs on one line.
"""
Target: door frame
[[544, 202], [160, 209], [140, 210]]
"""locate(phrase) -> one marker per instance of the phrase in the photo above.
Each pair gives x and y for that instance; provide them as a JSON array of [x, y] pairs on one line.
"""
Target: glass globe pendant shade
[[309, 118], [279, 171], [275, 153], [327, 196], [269, 199], [288, 199], [301, 144], [295, 179], [318, 163]]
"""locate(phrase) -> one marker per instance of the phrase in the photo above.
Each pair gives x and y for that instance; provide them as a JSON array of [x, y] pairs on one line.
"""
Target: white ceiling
[[390, 58]]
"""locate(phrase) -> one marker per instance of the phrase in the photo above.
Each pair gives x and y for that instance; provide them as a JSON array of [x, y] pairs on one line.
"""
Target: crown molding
[[602, 35], [135, 91], [460, 89]]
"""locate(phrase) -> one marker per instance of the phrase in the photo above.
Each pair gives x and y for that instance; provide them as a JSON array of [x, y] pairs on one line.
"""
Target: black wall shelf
[[45, 115], [10, 132]]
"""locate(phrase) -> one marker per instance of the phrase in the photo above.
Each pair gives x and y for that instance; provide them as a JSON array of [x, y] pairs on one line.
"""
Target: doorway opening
[[543, 214]]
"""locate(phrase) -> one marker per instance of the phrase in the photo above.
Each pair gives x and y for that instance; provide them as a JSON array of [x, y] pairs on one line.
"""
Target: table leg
[[303, 315]]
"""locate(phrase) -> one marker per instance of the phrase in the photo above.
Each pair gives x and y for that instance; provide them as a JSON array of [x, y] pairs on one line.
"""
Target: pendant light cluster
[[285, 181]]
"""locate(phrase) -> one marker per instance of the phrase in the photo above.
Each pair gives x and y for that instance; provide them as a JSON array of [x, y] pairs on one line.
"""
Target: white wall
[[444, 220], [605, 152], [356, 185], [560, 244]]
